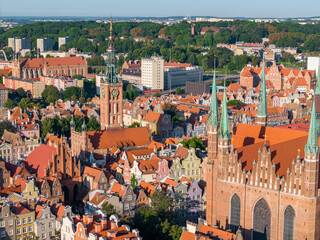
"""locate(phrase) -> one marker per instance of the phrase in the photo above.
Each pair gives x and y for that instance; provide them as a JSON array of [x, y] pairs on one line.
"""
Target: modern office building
[[177, 77]]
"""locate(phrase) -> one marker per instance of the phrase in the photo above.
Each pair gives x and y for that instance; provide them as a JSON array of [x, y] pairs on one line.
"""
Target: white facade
[[44, 44], [314, 64], [152, 73], [18, 44], [64, 40]]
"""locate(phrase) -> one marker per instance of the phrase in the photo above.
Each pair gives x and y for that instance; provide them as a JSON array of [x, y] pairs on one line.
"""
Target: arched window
[[288, 223], [235, 213], [261, 220]]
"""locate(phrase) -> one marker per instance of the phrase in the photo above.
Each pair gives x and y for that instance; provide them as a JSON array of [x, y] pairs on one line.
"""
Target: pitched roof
[[119, 137], [39, 158], [60, 61]]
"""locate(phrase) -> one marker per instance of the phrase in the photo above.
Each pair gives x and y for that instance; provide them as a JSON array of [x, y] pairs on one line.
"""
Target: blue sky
[[159, 8]]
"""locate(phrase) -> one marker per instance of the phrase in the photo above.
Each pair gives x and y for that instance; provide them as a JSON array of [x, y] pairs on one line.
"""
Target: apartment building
[[18, 44], [152, 73], [44, 44], [34, 88]]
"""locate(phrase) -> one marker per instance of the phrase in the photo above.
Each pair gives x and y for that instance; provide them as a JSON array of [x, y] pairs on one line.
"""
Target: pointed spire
[[224, 132], [312, 146], [72, 123], [111, 40], [84, 126], [262, 108], [214, 118]]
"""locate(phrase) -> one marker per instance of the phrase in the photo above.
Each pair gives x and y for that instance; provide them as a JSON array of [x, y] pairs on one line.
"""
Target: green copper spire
[[223, 132], [72, 123], [312, 144], [262, 108], [84, 126], [111, 75], [213, 120], [317, 90]]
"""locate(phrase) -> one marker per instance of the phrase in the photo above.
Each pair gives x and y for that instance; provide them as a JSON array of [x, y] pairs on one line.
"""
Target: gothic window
[[235, 213], [261, 221], [288, 223]]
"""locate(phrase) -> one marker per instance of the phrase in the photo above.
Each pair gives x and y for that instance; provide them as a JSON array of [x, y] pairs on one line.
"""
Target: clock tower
[[111, 91]]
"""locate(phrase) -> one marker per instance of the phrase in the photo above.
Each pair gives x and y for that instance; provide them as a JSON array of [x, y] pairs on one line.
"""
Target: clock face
[[102, 92], [115, 92]]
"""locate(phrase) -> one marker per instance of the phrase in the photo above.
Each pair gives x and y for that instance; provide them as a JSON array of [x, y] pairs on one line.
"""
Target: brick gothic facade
[[34, 68], [251, 187], [68, 170]]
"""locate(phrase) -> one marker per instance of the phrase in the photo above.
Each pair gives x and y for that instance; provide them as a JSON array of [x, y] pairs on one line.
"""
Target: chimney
[[97, 227], [90, 219], [104, 223], [85, 219], [155, 148], [114, 224]]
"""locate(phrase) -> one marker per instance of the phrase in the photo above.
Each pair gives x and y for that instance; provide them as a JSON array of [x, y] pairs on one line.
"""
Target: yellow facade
[[24, 225]]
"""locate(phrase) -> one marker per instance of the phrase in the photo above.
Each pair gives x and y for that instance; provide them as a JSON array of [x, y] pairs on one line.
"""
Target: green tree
[[157, 94], [108, 209], [134, 125], [50, 94], [57, 235], [134, 181], [10, 103], [48, 125], [21, 93], [93, 124], [136, 32], [160, 202], [77, 76], [169, 109], [1, 79], [24, 103], [4, 125], [194, 142], [73, 91], [235, 103]]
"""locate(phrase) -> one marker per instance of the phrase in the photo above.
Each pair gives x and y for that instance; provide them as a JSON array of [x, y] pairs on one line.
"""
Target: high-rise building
[[152, 73], [44, 44], [18, 44], [314, 64], [64, 41], [111, 91]]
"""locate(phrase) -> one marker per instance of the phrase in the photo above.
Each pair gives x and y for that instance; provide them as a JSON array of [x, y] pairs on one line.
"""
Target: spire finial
[[224, 132], [213, 118], [110, 23]]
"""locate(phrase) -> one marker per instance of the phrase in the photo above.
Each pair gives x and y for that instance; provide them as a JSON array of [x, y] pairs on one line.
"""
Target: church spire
[[111, 75], [312, 146], [317, 90], [213, 118], [262, 109], [224, 132]]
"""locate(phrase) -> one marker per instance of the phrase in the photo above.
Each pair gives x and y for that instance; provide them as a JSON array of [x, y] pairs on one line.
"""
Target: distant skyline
[[162, 8]]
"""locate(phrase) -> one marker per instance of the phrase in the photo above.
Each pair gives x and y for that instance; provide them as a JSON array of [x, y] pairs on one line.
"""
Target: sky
[[161, 8]]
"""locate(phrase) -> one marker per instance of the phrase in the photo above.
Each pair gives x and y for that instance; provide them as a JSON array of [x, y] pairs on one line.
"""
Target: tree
[[136, 32], [1, 79], [160, 203], [77, 76], [57, 235], [10, 103], [157, 94], [4, 125], [48, 125], [73, 93], [50, 94], [93, 124], [21, 93], [235, 103], [133, 181], [24, 103], [194, 142], [169, 109], [134, 125], [108, 209]]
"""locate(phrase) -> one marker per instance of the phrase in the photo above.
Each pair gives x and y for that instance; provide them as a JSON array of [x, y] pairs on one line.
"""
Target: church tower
[[262, 115], [213, 122], [111, 91], [311, 159]]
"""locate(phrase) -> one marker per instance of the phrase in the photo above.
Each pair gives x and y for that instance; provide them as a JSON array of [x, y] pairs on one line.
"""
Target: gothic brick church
[[262, 179]]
